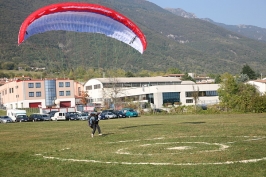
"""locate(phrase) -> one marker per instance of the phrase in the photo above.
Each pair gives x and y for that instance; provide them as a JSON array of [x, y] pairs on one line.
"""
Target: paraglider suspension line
[[131, 42]]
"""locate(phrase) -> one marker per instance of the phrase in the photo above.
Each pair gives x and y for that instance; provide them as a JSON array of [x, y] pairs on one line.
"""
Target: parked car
[[36, 117], [130, 112], [108, 110], [5, 119], [110, 115], [51, 114], [72, 116], [120, 114], [83, 116], [159, 111], [102, 116], [59, 116], [46, 117], [22, 118]]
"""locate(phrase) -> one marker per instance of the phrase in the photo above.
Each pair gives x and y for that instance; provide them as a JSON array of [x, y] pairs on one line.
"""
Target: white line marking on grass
[[180, 148], [159, 164], [255, 139], [221, 147]]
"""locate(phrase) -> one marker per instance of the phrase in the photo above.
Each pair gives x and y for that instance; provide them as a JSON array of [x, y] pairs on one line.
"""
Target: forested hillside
[[191, 45]]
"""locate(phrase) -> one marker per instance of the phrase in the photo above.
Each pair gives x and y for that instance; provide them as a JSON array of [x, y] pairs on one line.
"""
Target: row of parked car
[[25, 118], [45, 117], [55, 115], [110, 114]]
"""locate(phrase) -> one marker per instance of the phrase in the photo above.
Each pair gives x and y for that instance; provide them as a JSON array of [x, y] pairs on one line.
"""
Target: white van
[[59, 116], [13, 113]]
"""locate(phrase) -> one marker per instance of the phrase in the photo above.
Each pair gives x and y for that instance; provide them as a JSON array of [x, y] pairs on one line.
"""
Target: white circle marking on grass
[[180, 148], [222, 147]]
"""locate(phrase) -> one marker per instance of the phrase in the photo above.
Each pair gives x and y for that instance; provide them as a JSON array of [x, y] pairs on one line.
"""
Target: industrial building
[[157, 91]]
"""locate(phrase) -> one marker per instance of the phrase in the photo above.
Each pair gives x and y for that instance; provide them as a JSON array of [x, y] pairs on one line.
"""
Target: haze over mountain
[[189, 44], [249, 31]]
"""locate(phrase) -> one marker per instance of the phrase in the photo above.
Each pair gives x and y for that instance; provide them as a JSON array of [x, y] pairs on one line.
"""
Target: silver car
[[83, 116], [46, 117], [5, 119]]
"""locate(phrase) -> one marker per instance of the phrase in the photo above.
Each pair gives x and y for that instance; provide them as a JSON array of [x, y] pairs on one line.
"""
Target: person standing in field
[[94, 124]]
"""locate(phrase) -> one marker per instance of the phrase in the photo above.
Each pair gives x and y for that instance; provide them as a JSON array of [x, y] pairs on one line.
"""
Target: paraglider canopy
[[83, 17]]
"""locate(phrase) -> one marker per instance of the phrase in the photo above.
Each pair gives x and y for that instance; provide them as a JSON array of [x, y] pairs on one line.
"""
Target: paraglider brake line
[[131, 42]]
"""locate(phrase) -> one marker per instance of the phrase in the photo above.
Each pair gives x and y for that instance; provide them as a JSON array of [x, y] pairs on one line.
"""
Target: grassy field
[[174, 145]]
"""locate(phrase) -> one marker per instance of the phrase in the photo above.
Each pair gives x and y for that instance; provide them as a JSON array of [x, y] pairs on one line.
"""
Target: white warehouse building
[[158, 91]]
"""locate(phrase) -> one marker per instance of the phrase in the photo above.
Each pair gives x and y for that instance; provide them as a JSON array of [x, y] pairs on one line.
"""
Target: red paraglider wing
[[83, 17]]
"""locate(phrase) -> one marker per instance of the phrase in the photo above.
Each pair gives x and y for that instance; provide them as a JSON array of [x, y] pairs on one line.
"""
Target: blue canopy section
[[85, 22]]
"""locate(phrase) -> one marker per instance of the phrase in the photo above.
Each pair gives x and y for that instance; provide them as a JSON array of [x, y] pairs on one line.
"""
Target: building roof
[[139, 79], [173, 75], [187, 83], [261, 81]]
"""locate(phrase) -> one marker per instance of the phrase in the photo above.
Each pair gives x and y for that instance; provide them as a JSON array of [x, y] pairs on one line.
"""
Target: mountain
[[249, 31], [181, 12], [189, 44]]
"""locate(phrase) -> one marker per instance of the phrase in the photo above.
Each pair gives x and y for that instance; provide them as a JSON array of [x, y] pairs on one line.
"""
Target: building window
[[61, 93], [67, 93], [135, 84], [31, 94], [98, 86], [211, 93], [188, 94], [67, 84], [171, 97], [38, 94], [202, 93], [61, 84], [11, 90], [30, 85], [189, 100], [38, 85], [50, 89], [89, 87]]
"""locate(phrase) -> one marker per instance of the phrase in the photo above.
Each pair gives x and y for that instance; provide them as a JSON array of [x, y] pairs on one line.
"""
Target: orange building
[[44, 93]]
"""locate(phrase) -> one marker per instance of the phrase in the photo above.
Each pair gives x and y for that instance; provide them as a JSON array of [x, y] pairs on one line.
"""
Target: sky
[[230, 12]]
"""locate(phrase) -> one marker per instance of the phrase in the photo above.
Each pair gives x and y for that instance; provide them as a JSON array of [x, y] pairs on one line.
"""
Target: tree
[[247, 97], [84, 97], [111, 92], [228, 91], [217, 79], [129, 74], [243, 78], [8, 65], [187, 77], [236, 95], [144, 73], [173, 71], [195, 95], [248, 71], [2, 75]]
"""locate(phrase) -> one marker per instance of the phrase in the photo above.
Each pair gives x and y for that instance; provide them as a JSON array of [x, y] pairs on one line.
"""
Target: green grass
[[161, 145]]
